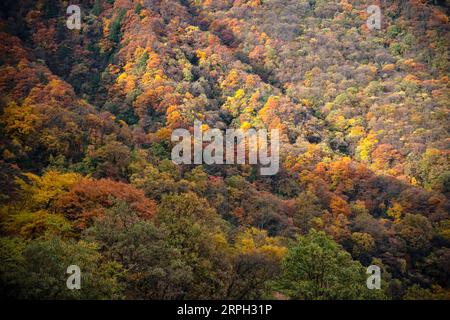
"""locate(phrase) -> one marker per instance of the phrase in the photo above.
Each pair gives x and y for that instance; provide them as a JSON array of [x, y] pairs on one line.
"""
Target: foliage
[[85, 123], [317, 268]]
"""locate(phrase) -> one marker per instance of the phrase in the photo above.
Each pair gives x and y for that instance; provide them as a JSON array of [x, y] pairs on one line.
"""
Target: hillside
[[86, 118]]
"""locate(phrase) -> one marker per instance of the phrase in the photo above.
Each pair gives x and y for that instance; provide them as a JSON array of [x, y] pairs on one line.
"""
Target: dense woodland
[[86, 177]]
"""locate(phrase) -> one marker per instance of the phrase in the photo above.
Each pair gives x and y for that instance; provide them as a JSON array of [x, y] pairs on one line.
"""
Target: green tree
[[97, 8], [155, 269], [37, 270], [316, 267], [116, 24], [199, 233]]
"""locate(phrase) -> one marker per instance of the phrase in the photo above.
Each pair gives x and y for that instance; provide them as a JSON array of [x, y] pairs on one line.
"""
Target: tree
[[307, 209], [110, 161], [316, 267], [32, 225], [256, 261], [34, 212], [37, 270], [115, 26], [43, 192], [89, 198], [363, 244], [154, 183], [197, 231], [436, 292], [97, 8], [154, 268], [416, 230], [433, 170]]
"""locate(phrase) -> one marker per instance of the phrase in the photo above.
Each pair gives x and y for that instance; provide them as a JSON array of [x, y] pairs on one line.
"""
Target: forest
[[86, 117]]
